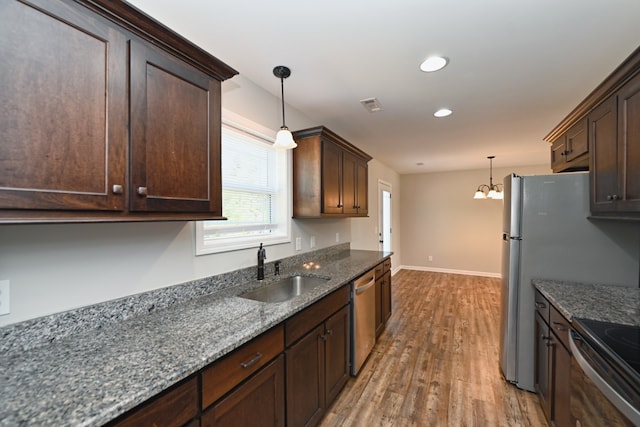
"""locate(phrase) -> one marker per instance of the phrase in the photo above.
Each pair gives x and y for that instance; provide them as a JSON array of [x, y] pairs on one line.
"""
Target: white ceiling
[[517, 67]]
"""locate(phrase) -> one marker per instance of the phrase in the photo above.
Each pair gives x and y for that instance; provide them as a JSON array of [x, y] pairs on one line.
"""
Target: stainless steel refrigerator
[[547, 235]]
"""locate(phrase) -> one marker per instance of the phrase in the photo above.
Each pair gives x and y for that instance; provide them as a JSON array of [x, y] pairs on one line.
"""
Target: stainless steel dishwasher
[[363, 319]]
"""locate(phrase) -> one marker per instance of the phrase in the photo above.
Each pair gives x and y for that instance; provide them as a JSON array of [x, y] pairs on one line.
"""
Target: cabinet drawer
[[560, 326], [298, 326], [542, 306], [257, 402], [173, 408], [387, 265], [379, 270], [227, 373]]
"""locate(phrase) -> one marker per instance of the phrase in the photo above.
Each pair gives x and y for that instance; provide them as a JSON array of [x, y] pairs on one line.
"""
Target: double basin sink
[[285, 289]]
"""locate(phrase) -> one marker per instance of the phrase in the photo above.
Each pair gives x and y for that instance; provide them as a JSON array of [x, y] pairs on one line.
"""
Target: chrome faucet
[[262, 255]]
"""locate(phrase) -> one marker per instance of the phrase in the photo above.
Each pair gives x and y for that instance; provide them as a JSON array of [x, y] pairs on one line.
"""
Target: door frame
[[383, 187]]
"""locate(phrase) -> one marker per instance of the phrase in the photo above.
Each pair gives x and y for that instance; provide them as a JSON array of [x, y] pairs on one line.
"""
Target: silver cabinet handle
[[142, 191], [117, 189], [252, 361]]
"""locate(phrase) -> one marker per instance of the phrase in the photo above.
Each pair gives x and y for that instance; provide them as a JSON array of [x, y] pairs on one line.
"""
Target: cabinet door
[[386, 297], [305, 379], [604, 156], [336, 353], [558, 153], [629, 146], [175, 135], [332, 199], [577, 141], [349, 183], [171, 409], [542, 365], [379, 317], [362, 188], [561, 385], [62, 109], [259, 401]]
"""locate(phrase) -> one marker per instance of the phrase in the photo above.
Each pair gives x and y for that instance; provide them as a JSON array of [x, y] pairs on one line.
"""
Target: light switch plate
[[5, 297], [312, 242], [298, 243]]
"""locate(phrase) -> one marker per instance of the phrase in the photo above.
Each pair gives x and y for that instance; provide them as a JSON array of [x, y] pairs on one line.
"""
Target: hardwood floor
[[436, 364]]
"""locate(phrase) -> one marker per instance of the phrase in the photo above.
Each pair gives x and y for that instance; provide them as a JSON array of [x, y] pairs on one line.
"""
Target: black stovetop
[[617, 341]]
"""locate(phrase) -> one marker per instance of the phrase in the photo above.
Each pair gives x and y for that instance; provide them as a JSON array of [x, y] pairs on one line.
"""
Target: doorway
[[384, 216]]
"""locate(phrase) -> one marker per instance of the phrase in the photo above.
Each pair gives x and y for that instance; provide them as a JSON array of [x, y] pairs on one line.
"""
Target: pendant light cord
[[282, 98]]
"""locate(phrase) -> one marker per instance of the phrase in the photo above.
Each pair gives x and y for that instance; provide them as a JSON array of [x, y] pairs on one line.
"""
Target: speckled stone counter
[[617, 304], [92, 375]]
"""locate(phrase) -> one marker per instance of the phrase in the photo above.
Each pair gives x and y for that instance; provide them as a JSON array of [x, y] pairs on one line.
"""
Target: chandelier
[[491, 191]]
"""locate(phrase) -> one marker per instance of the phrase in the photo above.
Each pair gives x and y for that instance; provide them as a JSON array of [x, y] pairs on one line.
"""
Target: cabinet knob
[[117, 189], [613, 197], [142, 191]]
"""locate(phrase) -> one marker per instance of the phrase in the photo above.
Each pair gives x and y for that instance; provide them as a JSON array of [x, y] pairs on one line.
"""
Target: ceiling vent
[[371, 104]]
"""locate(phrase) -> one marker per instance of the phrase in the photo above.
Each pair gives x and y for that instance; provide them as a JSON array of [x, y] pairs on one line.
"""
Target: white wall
[[441, 219], [54, 268], [364, 231]]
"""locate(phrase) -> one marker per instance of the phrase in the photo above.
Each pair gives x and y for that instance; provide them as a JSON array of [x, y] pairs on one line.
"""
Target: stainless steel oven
[[363, 319], [605, 386]]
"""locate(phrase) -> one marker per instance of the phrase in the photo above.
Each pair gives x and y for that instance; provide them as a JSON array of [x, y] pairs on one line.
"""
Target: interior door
[[384, 216]]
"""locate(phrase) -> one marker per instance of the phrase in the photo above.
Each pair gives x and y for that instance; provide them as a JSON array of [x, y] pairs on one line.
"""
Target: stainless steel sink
[[285, 289]]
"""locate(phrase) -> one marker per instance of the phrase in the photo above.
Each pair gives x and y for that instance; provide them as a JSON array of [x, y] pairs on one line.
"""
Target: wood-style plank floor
[[436, 364]]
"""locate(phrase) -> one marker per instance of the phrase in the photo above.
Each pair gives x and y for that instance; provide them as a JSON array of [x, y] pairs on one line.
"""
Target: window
[[255, 196]]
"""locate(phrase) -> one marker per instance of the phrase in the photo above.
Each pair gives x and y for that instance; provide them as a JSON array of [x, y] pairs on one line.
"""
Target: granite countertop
[[608, 303], [91, 377]]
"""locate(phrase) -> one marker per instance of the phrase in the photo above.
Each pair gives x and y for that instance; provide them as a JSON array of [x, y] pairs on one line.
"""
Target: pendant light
[[284, 139], [491, 191]]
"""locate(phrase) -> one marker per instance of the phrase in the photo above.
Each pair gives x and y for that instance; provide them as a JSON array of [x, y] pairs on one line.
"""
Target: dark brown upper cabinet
[[105, 115], [330, 176], [612, 117]]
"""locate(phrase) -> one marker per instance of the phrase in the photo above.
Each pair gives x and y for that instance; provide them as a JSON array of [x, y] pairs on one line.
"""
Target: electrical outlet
[[337, 237], [430, 258], [5, 300], [312, 242], [298, 243]]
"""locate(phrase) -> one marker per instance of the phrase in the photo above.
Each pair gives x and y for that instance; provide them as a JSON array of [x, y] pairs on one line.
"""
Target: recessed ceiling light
[[443, 112], [433, 63]]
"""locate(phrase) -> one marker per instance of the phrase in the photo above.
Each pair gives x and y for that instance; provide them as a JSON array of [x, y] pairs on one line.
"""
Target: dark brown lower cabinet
[[561, 386], [317, 369], [336, 353], [305, 379], [386, 296], [173, 408], [257, 402], [543, 365], [383, 295], [246, 388], [553, 367]]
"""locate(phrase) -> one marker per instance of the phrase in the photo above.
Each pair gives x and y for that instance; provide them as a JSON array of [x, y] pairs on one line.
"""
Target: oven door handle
[[611, 394]]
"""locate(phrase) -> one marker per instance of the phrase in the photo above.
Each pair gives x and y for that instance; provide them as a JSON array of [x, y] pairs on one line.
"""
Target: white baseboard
[[446, 270]]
